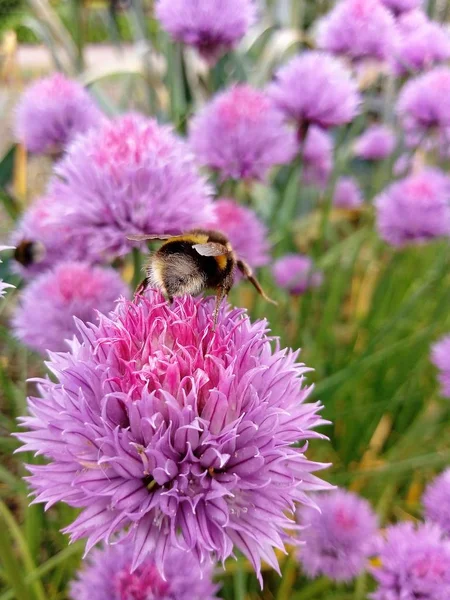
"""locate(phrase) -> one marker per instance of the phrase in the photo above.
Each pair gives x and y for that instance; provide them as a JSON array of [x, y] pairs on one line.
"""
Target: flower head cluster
[[247, 234], [415, 209], [241, 134], [3, 285], [441, 358], [44, 319], [347, 193], [184, 435], [131, 176], [436, 501], [376, 143], [339, 535], [211, 26], [315, 89], [402, 6], [420, 104], [421, 44], [358, 29], [296, 273], [317, 156], [52, 112], [415, 563], [107, 576]]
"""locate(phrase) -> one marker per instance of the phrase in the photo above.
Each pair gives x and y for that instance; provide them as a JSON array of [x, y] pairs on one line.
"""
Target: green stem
[[313, 589], [239, 582]]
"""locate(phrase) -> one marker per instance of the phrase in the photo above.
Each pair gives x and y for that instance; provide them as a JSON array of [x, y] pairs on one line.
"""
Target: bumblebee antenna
[[246, 271]]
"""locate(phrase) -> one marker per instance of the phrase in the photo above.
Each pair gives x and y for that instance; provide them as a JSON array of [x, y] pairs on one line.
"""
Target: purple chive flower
[[52, 112], [421, 104], [296, 273], [107, 576], [436, 499], [440, 355], [213, 27], [400, 6], [315, 88], [241, 134], [347, 193], [421, 44], [339, 535], [415, 563], [376, 143], [185, 436], [247, 234], [358, 30], [132, 176], [416, 209], [3, 285], [44, 318], [317, 155]]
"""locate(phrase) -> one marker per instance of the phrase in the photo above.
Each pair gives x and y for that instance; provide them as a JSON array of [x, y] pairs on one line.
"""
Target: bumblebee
[[192, 262], [29, 253]]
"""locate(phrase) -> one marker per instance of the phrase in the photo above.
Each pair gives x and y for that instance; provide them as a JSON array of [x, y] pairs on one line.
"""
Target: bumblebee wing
[[154, 236], [211, 249]]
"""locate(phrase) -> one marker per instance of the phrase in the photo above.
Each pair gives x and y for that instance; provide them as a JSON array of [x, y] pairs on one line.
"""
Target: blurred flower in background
[[241, 134], [415, 209], [131, 176], [52, 112], [441, 359], [436, 499], [107, 576], [414, 563], [376, 143], [246, 232], [213, 27], [296, 273], [358, 30], [43, 319], [317, 157], [421, 44], [315, 88], [420, 104], [339, 534], [347, 193], [3, 285], [190, 444]]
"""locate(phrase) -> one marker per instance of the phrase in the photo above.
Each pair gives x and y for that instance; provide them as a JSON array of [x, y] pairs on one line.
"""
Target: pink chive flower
[[415, 210], [52, 112], [421, 44], [296, 274], [376, 143], [213, 27], [436, 501], [347, 193], [421, 105], [315, 88], [187, 437], [401, 6], [241, 134], [339, 535], [107, 575], [415, 563], [317, 156], [44, 319], [358, 29], [246, 232], [3, 285], [440, 356], [131, 176]]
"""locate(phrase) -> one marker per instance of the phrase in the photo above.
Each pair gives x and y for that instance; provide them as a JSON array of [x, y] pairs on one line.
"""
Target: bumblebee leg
[[246, 271], [141, 287], [220, 295]]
